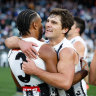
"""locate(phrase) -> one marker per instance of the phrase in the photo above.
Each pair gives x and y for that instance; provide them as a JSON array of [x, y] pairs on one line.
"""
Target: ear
[[35, 25], [65, 30], [78, 29]]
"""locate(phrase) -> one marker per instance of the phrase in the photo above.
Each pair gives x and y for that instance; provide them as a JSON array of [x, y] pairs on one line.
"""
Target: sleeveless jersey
[[75, 90], [16, 57], [74, 40]]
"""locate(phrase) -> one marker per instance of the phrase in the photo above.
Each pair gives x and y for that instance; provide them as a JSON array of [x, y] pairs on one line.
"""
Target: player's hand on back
[[84, 64], [29, 67], [27, 48]]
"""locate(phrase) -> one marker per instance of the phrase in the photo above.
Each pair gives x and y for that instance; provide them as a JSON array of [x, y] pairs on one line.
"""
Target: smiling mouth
[[48, 31]]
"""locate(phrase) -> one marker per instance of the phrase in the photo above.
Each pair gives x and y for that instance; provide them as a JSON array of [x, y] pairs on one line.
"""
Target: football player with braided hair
[[30, 27]]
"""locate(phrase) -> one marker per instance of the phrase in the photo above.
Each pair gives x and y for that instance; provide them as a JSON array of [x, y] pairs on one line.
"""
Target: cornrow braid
[[24, 19]]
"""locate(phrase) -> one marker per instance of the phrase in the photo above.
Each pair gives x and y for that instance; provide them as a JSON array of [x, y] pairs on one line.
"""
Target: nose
[[48, 24]]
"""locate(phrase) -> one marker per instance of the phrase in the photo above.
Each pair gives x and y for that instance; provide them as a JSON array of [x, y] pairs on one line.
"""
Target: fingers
[[84, 62], [23, 65], [85, 65], [34, 44], [34, 52], [28, 49], [30, 54], [28, 59]]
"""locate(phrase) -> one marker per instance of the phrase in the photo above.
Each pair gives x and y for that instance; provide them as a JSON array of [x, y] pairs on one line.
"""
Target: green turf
[[92, 90], [7, 86]]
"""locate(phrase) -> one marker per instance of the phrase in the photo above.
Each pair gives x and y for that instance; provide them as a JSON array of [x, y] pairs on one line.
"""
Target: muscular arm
[[48, 54], [26, 47], [82, 73], [79, 76], [12, 42], [92, 73], [80, 50], [64, 77]]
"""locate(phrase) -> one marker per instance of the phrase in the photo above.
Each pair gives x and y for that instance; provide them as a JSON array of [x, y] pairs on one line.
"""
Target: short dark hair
[[24, 19], [67, 19], [80, 23]]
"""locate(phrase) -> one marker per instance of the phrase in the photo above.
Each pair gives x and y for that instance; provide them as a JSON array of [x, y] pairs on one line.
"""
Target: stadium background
[[9, 9]]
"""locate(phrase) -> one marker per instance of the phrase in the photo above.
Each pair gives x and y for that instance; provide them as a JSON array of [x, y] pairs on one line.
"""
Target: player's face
[[53, 27], [73, 30]]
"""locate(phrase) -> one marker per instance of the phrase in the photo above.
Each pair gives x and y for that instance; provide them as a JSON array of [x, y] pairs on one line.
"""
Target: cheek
[[57, 30]]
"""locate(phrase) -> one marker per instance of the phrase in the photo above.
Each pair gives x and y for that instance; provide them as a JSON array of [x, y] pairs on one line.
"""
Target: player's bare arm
[[64, 78], [82, 73], [79, 76], [49, 56], [26, 47], [92, 73], [12, 42]]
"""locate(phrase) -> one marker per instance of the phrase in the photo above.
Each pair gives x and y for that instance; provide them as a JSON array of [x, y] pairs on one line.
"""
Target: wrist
[[37, 71], [19, 42]]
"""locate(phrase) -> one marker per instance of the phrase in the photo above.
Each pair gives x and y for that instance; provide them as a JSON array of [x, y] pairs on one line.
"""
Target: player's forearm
[[12, 42], [92, 80], [55, 79], [92, 76], [79, 76], [92, 73]]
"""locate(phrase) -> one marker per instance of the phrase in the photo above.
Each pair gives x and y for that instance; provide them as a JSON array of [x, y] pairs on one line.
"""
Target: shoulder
[[46, 51], [46, 47], [67, 52], [79, 44]]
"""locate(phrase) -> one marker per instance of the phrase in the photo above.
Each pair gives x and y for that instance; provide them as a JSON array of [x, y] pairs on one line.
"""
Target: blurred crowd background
[[9, 9]]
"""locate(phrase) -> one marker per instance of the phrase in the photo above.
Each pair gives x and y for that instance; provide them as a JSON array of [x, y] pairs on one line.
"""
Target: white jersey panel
[[16, 57], [65, 43]]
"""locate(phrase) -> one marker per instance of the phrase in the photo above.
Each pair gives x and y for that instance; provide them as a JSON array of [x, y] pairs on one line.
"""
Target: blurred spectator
[[9, 10], [4, 59]]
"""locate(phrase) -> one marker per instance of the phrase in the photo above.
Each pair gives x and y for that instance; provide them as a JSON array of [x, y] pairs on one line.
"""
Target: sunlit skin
[[54, 31]]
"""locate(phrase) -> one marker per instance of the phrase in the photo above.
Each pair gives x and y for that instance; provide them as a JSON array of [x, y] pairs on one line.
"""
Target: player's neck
[[27, 36], [30, 35], [71, 36], [56, 41]]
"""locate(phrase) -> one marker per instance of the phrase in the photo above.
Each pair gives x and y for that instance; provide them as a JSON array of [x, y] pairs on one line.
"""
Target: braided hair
[[24, 19]]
